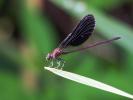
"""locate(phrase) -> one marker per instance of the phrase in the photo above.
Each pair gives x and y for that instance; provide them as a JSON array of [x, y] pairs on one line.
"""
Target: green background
[[29, 29]]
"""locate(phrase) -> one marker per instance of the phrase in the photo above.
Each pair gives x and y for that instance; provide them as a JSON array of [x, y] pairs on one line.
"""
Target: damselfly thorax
[[55, 54]]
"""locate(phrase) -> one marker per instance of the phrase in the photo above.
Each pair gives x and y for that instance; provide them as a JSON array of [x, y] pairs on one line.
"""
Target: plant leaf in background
[[37, 28], [106, 5]]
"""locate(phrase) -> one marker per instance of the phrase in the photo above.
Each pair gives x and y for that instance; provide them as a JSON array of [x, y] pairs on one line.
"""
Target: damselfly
[[79, 35]]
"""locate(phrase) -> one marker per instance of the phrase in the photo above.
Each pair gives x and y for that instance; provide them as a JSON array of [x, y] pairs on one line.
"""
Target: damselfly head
[[49, 56]]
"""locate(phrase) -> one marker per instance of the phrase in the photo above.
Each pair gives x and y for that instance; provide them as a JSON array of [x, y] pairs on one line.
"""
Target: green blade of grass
[[88, 81]]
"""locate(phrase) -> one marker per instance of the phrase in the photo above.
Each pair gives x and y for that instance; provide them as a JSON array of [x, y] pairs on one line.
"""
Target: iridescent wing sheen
[[80, 33]]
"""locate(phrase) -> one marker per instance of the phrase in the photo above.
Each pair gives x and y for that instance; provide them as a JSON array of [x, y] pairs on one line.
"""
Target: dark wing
[[80, 33]]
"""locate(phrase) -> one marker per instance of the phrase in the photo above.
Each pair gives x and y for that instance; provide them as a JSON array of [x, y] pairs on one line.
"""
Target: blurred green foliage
[[22, 60]]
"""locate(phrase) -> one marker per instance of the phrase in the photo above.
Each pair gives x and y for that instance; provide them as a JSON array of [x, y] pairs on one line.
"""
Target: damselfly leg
[[60, 63], [50, 62], [57, 63]]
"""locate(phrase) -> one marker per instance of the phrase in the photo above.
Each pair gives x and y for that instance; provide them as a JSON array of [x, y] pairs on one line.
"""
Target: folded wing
[[80, 33]]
